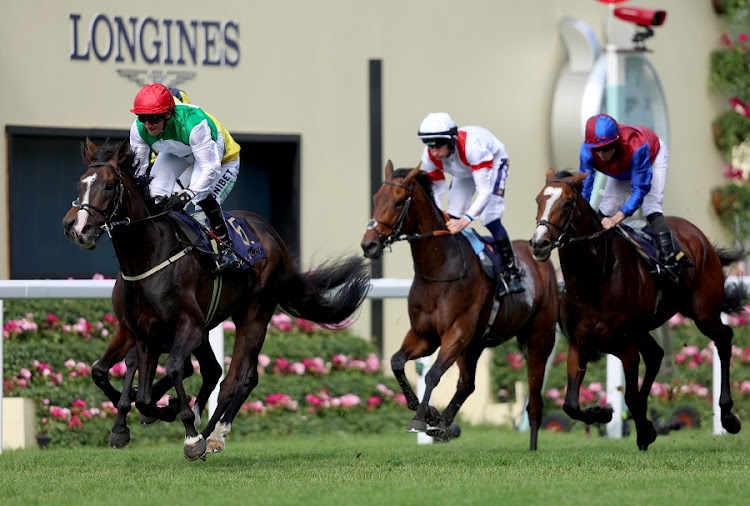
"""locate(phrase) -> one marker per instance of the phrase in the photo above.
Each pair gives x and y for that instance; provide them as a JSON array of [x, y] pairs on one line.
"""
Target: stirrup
[[227, 259]]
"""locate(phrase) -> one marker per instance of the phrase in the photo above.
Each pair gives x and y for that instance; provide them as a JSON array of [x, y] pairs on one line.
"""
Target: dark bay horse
[[167, 304], [611, 300], [451, 301]]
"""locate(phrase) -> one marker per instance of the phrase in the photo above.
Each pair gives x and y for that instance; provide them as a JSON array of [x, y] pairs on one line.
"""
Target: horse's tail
[[328, 294], [735, 297], [729, 256]]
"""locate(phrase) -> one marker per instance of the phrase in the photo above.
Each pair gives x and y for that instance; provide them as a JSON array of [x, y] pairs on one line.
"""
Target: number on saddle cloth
[[243, 241]]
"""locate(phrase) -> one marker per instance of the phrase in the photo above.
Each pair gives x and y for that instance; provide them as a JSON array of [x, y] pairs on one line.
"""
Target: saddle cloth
[[483, 247], [244, 242], [644, 241]]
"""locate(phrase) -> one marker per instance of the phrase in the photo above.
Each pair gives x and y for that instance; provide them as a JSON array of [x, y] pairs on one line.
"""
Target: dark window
[[43, 169]]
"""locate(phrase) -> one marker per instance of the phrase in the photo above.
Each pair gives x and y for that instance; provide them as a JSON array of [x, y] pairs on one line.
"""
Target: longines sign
[[153, 41]]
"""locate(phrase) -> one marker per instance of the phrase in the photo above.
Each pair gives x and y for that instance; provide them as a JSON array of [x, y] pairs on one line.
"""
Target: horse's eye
[[567, 204], [109, 186], [399, 203]]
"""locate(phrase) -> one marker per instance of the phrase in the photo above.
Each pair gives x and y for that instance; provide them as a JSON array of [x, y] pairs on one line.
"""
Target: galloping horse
[[451, 301], [611, 300], [168, 293]]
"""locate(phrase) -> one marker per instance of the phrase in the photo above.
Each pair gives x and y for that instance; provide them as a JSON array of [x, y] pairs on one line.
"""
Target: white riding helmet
[[438, 128]]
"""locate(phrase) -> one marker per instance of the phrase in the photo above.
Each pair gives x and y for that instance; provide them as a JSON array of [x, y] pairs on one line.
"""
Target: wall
[[303, 70]]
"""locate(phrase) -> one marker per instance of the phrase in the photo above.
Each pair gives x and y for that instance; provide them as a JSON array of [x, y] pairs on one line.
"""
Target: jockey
[[478, 162], [185, 135], [636, 160]]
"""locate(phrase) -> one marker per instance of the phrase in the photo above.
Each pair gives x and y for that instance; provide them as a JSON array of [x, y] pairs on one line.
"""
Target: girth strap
[[159, 267]]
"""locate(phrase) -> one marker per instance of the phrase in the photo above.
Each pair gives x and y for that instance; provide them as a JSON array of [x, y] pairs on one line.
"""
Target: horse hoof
[[119, 439], [731, 423], [197, 450], [648, 437], [215, 446], [453, 431], [416, 426], [438, 433], [432, 416]]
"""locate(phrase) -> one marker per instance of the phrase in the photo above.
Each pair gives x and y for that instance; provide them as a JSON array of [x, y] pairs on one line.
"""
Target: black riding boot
[[512, 274], [227, 259], [666, 246]]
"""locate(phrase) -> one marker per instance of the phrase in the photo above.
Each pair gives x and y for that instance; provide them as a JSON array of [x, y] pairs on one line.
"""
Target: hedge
[[312, 380]]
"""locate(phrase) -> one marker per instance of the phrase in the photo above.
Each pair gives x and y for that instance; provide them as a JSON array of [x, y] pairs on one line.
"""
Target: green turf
[[483, 466]]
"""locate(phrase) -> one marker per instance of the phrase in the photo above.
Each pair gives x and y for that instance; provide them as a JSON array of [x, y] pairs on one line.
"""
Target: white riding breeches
[[460, 194], [617, 192], [168, 169]]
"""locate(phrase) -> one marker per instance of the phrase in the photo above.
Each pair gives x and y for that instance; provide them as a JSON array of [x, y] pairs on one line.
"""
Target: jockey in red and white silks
[[478, 164]]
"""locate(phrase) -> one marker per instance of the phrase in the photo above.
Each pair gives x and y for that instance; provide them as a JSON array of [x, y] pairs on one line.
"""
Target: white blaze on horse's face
[[83, 215], [553, 195]]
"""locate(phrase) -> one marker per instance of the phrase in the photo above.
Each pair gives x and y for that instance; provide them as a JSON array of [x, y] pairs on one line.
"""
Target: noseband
[[108, 213]]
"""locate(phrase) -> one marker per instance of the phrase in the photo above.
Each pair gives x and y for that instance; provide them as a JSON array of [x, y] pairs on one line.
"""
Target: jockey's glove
[[177, 202]]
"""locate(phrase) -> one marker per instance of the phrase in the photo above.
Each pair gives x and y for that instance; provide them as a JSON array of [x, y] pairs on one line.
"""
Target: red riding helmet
[[153, 99]]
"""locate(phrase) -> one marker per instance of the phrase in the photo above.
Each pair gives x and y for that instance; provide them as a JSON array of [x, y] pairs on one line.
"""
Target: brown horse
[[172, 298], [451, 301], [611, 300]]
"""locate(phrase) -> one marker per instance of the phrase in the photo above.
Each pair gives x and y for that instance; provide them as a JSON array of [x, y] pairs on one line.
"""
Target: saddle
[[643, 239], [490, 259], [246, 246]]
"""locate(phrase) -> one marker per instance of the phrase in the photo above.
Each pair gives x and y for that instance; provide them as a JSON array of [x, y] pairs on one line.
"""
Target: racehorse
[[611, 300], [451, 301], [169, 298]]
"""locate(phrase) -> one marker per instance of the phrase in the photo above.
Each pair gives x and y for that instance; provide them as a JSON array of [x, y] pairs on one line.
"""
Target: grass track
[[484, 466]]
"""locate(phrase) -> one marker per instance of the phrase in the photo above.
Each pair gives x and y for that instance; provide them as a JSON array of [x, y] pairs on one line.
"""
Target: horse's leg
[[467, 370], [211, 372], [242, 376], [450, 349], [160, 388], [577, 363], [413, 347], [147, 359], [120, 434], [120, 343], [722, 337], [636, 401], [189, 335], [540, 344]]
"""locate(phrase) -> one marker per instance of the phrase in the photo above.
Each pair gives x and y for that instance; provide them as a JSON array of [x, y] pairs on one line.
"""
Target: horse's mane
[[422, 178], [127, 165], [563, 174]]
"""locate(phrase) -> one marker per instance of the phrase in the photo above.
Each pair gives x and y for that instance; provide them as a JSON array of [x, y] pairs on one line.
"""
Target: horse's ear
[[123, 149], [388, 170], [550, 174], [87, 149], [411, 175], [579, 177]]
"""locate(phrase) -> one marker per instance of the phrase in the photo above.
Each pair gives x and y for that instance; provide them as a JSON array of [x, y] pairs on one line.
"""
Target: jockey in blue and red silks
[[636, 160], [478, 162]]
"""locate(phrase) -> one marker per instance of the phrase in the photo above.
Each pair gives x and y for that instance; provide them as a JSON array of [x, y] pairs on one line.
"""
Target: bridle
[[563, 239], [108, 213], [396, 235], [115, 204]]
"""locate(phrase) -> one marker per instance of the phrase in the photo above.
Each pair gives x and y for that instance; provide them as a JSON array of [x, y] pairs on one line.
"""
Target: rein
[[397, 236]]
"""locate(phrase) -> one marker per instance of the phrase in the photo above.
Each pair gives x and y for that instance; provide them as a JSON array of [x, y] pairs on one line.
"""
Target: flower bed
[[311, 380]]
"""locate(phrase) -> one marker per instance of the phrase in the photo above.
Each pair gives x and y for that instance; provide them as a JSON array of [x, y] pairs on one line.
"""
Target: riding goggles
[[151, 118]]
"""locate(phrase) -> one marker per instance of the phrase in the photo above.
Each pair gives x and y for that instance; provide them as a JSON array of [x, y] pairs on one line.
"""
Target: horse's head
[[101, 191], [390, 210], [556, 205]]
